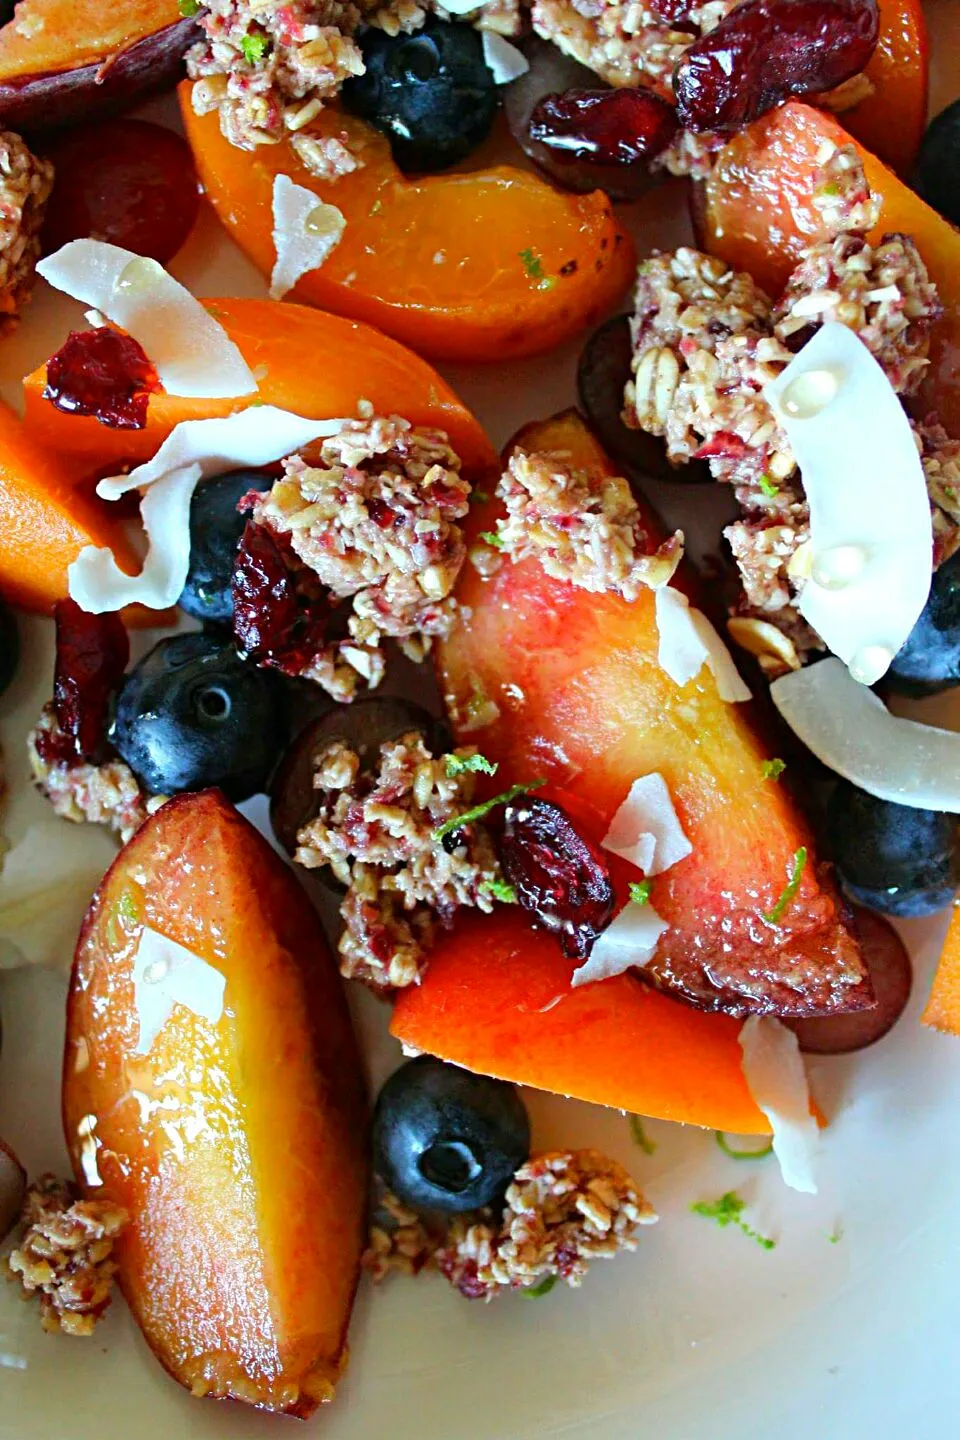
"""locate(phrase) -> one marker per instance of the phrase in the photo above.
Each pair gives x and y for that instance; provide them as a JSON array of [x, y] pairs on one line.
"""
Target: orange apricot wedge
[[943, 1007], [483, 265], [237, 1145], [305, 361], [890, 122], [756, 212]]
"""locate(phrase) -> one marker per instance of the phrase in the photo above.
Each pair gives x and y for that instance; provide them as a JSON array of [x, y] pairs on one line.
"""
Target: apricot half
[[484, 265], [237, 1145]]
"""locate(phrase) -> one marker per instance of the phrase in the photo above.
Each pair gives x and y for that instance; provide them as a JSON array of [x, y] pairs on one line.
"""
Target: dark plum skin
[[765, 51], [215, 529], [892, 858], [431, 93], [9, 645], [447, 1140], [193, 715], [929, 660], [937, 173]]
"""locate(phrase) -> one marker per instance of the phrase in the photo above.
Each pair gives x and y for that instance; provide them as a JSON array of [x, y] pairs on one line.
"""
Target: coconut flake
[[630, 939], [777, 1079], [252, 438], [687, 642], [504, 61], [305, 233], [98, 584], [870, 528], [192, 354], [646, 829], [166, 974], [852, 731]]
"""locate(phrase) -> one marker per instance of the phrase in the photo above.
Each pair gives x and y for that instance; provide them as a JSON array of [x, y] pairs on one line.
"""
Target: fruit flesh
[[584, 703], [305, 361], [51, 35], [943, 1007], [757, 213], [891, 121], [238, 1147], [475, 302]]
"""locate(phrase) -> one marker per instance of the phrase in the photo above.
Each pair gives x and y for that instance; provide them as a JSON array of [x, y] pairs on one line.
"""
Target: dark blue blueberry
[[444, 1139], [930, 659], [215, 530], [937, 174], [893, 858], [9, 646], [193, 714], [430, 93]]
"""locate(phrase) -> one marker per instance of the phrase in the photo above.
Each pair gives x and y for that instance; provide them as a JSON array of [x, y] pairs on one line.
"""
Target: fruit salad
[[594, 759]]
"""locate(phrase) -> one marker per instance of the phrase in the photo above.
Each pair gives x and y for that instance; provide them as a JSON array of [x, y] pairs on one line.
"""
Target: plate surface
[[847, 1329]]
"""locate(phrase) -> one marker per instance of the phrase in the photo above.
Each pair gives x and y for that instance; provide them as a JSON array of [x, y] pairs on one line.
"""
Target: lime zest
[[728, 1210], [639, 892], [542, 1287], [469, 765], [490, 537], [254, 47], [188, 8], [457, 822], [721, 1138], [640, 1136], [769, 486], [773, 769], [534, 268], [500, 890], [774, 916]]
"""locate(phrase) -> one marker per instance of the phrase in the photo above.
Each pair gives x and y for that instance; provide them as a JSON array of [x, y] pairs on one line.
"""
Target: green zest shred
[[639, 892], [773, 769], [478, 496], [457, 822], [534, 268], [769, 486], [728, 1149], [640, 1136], [836, 1235], [542, 1287], [188, 8], [774, 916], [469, 765], [254, 48], [491, 538], [728, 1210], [501, 891]]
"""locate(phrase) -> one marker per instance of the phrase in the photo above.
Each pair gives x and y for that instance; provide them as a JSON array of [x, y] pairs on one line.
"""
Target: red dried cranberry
[[102, 373], [722, 446], [558, 875], [271, 623], [92, 654], [764, 51], [604, 127], [673, 12], [126, 181]]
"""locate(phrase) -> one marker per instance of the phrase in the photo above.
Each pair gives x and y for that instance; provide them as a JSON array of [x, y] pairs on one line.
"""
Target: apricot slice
[[943, 1007], [62, 60], [891, 121], [486, 265], [237, 1145], [314, 364], [756, 212], [45, 522]]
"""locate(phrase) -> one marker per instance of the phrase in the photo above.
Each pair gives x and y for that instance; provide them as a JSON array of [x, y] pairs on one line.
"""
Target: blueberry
[[930, 658], [937, 174], [444, 1139], [9, 646], [430, 93], [215, 530], [193, 714], [893, 858]]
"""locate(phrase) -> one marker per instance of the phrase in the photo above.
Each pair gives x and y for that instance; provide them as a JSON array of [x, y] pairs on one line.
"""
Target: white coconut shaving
[[631, 939], [504, 61], [191, 352], [165, 974], [777, 1079], [306, 231], [687, 642], [646, 829]]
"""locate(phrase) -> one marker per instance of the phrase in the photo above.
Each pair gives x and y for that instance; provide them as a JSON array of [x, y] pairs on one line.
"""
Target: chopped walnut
[[25, 186], [690, 154], [65, 1255], [105, 794], [624, 43], [399, 1243], [562, 1210], [375, 523], [940, 457], [582, 527], [376, 830]]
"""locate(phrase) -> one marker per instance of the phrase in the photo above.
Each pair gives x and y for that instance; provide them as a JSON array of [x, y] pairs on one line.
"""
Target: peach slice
[[238, 1145]]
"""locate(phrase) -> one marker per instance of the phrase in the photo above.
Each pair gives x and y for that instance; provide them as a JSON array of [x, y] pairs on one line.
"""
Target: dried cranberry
[[558, 875], [126, 181], [764, 51], [271, 623], [102, 373], [92, 654], [604, 127], [674, 12]]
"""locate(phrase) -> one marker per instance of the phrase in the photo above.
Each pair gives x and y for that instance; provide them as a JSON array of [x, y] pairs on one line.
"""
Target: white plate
[[701, 1335]]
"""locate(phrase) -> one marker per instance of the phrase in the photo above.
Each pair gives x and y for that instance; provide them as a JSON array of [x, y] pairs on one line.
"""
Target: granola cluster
[[374, 522], [583, 527], [25, 185], [65, 1255], [399, 1243], [563, 1209], [625, 42], [105, 794], [376, 830], [706, 340]]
